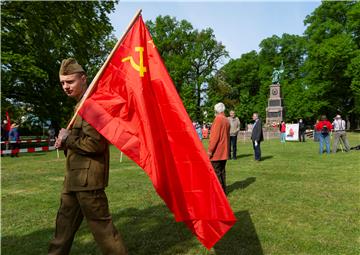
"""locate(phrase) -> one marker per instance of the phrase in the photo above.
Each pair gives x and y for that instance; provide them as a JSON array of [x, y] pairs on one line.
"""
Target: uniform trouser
[[219, 167], [94, 206], [340, 135], [233, 146]]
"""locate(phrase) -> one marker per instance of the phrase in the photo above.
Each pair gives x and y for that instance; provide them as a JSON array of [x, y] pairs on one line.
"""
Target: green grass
[[293, 202]]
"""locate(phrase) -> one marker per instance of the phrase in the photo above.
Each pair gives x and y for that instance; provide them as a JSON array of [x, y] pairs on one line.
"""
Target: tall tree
[[238, 84], [333, 56], [35, 37], [248, 78], [191, 56], [321, 68]]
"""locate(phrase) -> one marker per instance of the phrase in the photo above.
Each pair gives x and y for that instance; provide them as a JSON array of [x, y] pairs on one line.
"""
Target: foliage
[[237, 85], [35, 37], [321, 69], [191, 56], [332, 48]]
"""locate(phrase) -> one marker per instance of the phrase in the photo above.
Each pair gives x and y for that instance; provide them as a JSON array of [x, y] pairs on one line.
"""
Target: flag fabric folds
[[136, 107]]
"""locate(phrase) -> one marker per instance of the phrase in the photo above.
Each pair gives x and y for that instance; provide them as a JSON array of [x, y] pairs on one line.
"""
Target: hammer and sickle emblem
[[140, 68]]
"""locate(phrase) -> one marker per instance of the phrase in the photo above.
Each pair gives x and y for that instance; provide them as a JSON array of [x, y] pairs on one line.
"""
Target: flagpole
[[99, 73]]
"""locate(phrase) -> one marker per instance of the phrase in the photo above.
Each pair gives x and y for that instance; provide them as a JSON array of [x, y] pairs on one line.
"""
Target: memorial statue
[[276, 74]]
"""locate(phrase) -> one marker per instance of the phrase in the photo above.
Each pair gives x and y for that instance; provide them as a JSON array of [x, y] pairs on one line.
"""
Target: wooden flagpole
[[99, 73], [121, 156]]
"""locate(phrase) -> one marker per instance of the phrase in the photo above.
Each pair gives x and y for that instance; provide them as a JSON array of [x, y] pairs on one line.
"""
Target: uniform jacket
[[257, 132], [87, 158], [219, 138]]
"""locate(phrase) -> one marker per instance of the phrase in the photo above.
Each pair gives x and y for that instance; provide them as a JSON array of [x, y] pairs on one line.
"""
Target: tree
[[35, 37], [191, 56], [240, 77], [248, 78], [333, 53]]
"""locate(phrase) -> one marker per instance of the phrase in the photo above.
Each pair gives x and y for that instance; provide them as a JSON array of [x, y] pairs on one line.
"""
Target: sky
[[239, 25]]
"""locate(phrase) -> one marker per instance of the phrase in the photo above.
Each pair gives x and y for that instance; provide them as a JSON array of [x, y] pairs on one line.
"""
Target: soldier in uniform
[[87, 172]]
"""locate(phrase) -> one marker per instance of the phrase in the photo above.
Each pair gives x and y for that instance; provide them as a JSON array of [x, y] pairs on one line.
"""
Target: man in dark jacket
[[257, 136], [302, 129], [87, 171]]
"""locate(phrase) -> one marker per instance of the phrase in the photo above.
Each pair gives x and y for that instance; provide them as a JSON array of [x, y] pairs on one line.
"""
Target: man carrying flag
[[87, 172], [134, 104]]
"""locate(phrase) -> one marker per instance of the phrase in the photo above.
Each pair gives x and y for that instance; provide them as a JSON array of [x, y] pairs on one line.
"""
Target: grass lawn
[[293, 202]]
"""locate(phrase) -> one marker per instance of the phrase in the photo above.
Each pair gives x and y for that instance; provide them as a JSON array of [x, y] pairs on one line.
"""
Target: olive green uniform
[[87, 172]]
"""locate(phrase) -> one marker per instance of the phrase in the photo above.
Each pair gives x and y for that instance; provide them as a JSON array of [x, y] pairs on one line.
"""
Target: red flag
[[136, 107], [8, 124]]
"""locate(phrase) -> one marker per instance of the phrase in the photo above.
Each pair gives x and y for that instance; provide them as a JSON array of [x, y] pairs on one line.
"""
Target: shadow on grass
[[241, 239], [29, 154], [31, 244], [266, 158], [243, 155], [240, 184], [147, 231], [32, 154], [154, 231]]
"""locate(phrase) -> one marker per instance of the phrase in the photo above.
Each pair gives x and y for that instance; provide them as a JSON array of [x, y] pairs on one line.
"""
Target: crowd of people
[[224, 132], [324, 129], [223, 140]]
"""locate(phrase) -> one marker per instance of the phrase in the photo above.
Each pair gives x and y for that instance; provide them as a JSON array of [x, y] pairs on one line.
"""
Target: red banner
[[135, 105]]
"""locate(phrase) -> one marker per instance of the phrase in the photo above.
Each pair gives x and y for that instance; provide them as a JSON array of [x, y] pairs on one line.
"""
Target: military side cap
[[70, 66]]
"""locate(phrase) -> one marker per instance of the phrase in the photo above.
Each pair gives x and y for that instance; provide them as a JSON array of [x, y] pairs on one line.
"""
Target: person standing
[[198, 130], [87, 172], [5, 131], [340, 133], [234, 130], [257, 136], [282, 131], [324, 128], [218, 150], [51, 133], [205, 132], [316, 133], [14, 140], [302, 129]]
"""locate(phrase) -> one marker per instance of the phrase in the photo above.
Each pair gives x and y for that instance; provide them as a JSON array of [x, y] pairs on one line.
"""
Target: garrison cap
[[70, 66]]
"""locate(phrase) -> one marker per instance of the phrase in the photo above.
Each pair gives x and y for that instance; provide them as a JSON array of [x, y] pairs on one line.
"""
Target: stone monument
[[275, 110]]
